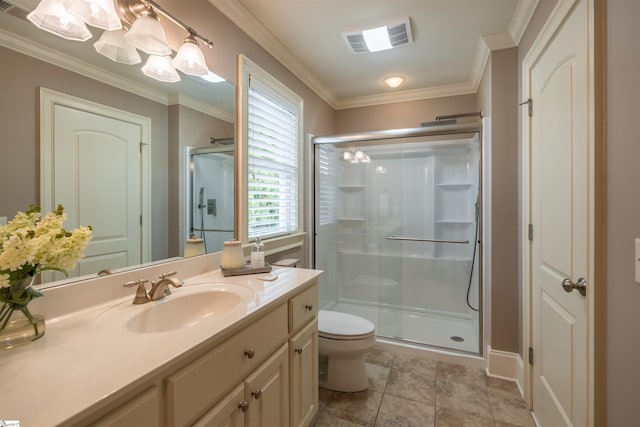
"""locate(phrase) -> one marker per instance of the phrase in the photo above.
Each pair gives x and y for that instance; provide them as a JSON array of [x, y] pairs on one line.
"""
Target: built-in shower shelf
[[453, 221], [352, 219], [351, 187], [454, 185]]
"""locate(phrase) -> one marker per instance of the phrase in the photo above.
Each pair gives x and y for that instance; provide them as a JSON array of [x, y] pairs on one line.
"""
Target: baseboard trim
[[507, 366]]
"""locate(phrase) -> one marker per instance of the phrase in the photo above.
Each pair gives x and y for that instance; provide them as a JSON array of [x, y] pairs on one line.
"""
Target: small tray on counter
[[247, 269]]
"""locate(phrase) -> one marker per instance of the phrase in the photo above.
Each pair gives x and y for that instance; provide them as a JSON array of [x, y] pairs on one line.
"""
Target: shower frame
[[400, 136]]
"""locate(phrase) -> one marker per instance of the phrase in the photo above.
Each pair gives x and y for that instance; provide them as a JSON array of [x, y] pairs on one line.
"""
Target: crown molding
[[203, 107], [62, 60], [521, 17], [241, 17], [27, 47], [407, 95]]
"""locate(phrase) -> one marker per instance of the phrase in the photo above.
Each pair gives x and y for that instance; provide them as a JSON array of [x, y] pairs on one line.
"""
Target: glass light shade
[[394, 81], [113, 45], [190, 59], [366, 159], [160, 68], [52, 16], [347, 155], [212, 78], [359, 155], [147, 34], [97, 13]]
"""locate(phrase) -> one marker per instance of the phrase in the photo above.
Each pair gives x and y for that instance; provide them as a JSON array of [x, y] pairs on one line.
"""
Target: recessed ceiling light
[[393, 81]]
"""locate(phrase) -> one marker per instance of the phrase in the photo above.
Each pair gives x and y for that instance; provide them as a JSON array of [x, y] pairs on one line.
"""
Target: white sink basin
[[186, 306]]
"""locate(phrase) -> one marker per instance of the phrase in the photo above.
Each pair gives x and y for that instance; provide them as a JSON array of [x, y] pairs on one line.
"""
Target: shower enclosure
[[211, 200], [397, 228]]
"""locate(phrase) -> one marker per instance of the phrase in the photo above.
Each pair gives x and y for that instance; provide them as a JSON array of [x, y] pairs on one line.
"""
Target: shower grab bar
[[212, 229], [418, 239]]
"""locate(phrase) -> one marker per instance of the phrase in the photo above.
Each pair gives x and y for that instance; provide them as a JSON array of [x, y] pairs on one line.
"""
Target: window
[[272, 135], [328, 183]]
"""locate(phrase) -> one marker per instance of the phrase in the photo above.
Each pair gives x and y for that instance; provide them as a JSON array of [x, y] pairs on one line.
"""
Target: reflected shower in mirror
[[211, 184]]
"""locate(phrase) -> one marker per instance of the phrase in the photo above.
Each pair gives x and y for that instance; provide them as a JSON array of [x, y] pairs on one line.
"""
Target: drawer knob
[[244, 406], [256, 393], [250, 353], [298, 350], [308, 307]]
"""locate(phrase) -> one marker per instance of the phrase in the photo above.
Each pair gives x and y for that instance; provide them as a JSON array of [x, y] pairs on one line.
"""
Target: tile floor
[[412, 391]]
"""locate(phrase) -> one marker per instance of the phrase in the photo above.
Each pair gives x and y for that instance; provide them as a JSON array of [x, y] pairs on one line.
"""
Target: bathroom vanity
[[250, 361]]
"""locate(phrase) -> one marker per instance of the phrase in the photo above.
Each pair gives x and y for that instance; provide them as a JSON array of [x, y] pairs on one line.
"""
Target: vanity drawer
[[198, 386], [303, 307]]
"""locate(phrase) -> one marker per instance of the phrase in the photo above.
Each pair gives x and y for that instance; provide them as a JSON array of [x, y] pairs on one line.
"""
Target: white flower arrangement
[[30, 244]]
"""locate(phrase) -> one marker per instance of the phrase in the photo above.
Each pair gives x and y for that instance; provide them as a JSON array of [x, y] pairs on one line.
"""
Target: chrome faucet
[[160, 289]]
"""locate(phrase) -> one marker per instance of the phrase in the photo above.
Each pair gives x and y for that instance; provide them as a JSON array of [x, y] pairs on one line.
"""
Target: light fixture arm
[[179, 23], [130, 10]]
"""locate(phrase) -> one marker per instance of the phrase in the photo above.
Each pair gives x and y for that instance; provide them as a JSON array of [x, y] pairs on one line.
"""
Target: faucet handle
[[141, 293]]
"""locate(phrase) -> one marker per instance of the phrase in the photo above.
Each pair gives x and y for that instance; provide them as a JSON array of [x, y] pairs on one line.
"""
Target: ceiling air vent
[[399, 35], [13, 10]]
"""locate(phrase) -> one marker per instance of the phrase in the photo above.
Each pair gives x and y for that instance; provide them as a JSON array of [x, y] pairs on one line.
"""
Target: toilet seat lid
[[336, 325]]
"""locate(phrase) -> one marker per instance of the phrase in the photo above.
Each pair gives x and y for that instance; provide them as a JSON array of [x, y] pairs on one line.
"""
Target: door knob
[[580, 286]]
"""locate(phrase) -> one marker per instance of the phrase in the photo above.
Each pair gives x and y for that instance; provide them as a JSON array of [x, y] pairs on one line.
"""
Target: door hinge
[[531, 356], [530, 231], [529, 103]]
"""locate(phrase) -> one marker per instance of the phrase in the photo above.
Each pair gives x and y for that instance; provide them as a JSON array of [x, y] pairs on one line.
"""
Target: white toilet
[[343, 341]]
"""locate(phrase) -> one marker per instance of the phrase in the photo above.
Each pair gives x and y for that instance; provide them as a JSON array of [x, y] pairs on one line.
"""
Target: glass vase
[[21, 323]]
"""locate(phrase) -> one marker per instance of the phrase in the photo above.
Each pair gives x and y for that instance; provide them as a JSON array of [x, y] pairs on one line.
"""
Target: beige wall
[[19, 123], [401, 114], [623, 211]]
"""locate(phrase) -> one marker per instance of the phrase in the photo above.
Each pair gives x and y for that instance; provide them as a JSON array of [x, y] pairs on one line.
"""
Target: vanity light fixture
[[147, 34], [113, 45], [68, 19], [97, 13], [393, 81], [161, 68], [357, 156], [190, 59], [53, 16]]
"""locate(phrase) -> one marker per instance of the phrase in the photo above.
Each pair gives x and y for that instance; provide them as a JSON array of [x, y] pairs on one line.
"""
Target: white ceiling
[[452, 40]]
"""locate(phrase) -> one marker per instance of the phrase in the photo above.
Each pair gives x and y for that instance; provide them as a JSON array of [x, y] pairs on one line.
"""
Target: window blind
[[328, 183], [272, 164]]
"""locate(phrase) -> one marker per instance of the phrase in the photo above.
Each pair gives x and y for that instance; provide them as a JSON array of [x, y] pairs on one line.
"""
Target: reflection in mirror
[[190, 113], [211, 184]]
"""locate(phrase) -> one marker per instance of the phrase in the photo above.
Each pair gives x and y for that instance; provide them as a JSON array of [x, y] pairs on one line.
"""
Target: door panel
[[560, 185], [97, 177]]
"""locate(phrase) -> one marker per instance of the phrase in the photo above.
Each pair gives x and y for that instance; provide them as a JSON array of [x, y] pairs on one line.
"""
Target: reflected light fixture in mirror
[[113, 45], [160, 68]]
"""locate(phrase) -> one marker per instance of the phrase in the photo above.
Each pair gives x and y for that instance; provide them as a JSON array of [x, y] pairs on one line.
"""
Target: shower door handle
[[580, 286], [419, 239]]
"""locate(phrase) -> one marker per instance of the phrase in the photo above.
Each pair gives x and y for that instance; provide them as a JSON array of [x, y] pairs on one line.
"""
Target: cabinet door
[[229, 412], [142, 411], [267, 391], [303, 362]]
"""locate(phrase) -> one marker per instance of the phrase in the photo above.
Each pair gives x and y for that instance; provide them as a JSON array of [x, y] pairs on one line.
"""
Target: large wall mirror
[[190, 138]]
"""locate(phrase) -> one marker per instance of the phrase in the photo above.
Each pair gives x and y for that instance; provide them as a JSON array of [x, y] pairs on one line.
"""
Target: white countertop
[[85, 356]]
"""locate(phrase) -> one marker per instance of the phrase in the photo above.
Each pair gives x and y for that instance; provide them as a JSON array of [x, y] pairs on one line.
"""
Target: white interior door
[[95, 161], [97, 175], [561, 195]]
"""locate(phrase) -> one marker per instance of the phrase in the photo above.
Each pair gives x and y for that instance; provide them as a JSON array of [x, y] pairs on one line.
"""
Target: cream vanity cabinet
[[271, 368]]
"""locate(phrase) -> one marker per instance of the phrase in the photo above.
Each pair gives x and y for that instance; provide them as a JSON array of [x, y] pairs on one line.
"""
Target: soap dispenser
[[257, 253]]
